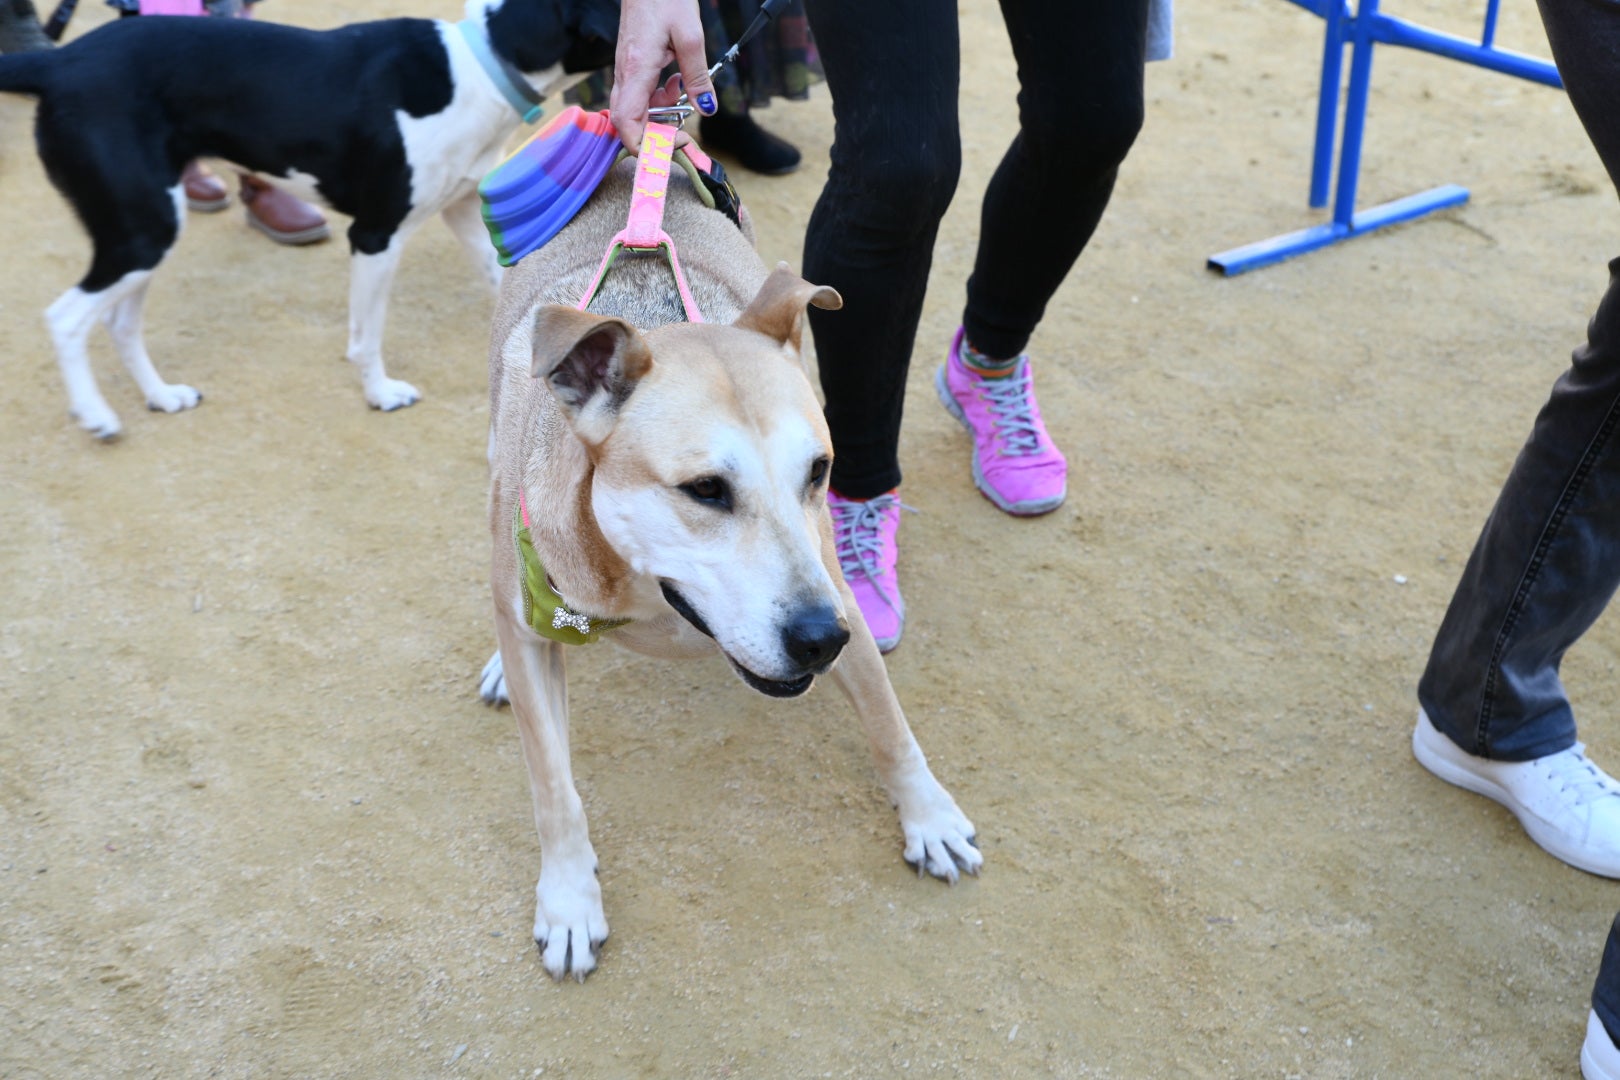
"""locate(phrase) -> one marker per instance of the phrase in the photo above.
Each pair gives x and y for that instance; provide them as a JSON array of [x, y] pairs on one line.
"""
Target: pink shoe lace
[[865, 533], [1015, 463]]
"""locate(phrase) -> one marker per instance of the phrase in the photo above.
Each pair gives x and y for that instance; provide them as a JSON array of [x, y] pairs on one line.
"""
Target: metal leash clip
[[675, 115]]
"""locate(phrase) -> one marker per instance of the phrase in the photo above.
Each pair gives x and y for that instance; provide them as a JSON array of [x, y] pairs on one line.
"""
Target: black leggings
[[893, 68]]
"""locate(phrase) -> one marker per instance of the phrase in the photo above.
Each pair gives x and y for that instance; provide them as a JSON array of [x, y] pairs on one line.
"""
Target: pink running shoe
[[865, 534], [1015, 463]]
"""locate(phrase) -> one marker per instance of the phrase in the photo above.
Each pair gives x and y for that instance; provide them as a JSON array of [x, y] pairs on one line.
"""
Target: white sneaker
[[1567, 804], [1600, 1060]]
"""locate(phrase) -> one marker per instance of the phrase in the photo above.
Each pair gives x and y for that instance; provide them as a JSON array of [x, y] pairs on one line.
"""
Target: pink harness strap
[[644, 231]]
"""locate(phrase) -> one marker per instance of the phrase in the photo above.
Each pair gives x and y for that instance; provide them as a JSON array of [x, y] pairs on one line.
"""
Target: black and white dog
[[388, 122]]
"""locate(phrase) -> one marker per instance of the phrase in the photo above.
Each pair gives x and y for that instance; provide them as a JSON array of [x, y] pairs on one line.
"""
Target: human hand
[[651, 34]]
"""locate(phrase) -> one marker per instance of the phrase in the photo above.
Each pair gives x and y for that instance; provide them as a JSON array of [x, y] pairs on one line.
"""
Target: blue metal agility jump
[[1362, 31]]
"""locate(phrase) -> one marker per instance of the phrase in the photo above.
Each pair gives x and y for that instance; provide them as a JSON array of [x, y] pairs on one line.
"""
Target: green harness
[[543, 610]]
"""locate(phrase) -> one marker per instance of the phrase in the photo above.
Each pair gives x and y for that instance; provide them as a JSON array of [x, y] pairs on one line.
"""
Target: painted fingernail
[[706, 104]]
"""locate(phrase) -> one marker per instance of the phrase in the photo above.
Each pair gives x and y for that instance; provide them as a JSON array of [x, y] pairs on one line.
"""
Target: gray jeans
[[1548, 559]]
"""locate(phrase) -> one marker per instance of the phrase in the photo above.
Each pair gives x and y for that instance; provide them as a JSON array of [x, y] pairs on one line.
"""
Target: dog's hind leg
[[939, 837], [132, 229], [466, 219], [372, 271], [124, 322], [71, 319], [569, 925]]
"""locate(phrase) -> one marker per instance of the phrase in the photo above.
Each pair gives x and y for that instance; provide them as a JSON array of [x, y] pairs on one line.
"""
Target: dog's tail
[[25, 73]]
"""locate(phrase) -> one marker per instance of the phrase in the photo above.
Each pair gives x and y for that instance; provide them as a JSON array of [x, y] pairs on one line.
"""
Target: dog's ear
[[778, 309], [591, 362]]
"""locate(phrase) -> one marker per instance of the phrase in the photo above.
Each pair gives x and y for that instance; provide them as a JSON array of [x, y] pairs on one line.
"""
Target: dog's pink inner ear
[[777, 311]]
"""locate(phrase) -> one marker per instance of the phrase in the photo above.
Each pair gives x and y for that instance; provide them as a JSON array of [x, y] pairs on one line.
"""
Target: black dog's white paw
[[391, 394], [492, 683], [173, 398]]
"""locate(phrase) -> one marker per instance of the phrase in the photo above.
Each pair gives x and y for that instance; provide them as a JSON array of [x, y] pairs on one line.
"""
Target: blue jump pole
[[1336, 15], [1363, 30]]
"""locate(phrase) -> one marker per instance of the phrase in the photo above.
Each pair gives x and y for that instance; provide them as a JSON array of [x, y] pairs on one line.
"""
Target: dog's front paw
[[940, 840], [492, 683], [390, 394], [172, 398], [569, 926]]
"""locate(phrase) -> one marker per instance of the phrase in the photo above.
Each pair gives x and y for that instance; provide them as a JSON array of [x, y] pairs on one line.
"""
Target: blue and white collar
[[506, 77]]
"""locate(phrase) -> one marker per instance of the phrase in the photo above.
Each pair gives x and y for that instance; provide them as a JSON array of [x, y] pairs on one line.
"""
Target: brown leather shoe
[[205, 192], [280, 216]]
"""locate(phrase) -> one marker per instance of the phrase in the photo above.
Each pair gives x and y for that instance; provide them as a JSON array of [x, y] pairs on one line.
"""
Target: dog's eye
[[818, 471], [711, 490]]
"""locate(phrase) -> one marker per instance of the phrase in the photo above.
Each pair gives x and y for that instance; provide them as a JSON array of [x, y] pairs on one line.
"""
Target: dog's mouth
[[773, 687], [685, 610], [777, 688]]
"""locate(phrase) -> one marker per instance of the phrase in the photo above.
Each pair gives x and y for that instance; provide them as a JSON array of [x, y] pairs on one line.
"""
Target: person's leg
[[1494, 716], [280, 215], [1543, 568], [205, 192], [892, 69], [1600, 1059], [732, 129], [1079, 110], [1548, 558]]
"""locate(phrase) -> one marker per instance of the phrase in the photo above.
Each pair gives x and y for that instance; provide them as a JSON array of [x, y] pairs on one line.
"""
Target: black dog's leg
[[130, 203], [374, 258]]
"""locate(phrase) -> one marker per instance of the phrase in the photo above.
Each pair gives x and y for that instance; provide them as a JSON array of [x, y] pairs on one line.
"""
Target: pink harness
[[644, 231]]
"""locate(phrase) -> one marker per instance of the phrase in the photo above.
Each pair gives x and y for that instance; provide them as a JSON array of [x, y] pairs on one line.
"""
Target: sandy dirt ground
[[255, 822]]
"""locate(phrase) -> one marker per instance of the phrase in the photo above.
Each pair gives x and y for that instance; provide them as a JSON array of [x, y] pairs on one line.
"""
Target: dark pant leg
[[892, 68], [1606, 991], [1079, 110], [1548, 559]]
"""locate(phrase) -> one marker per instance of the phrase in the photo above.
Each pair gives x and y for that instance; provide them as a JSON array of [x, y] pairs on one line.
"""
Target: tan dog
[[675, 475]]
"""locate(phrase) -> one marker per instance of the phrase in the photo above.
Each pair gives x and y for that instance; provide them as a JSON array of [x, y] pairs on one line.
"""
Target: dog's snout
[[814, 637]]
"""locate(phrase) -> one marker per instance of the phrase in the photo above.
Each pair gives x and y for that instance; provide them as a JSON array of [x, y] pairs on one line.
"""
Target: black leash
[[678, 113], [57, 23], [768, 10]]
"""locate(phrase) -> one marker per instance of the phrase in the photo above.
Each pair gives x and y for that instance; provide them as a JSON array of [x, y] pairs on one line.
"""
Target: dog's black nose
[[814, 637]]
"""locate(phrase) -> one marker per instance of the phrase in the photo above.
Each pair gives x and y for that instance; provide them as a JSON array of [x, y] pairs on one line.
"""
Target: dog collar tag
[[562, 617]]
